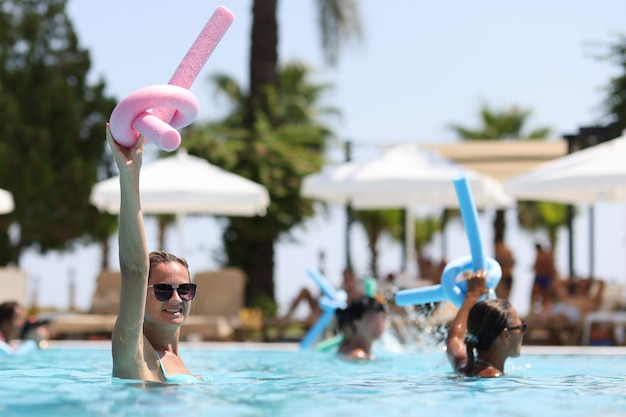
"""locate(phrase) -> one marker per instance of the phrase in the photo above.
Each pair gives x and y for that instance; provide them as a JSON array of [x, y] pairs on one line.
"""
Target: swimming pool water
[[76, 381]]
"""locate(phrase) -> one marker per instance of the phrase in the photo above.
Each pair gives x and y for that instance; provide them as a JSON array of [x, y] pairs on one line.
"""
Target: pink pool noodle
[[199, 53], [154, 122], [132, 112]]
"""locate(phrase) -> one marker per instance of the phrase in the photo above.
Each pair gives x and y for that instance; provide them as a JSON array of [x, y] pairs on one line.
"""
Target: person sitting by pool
[[156, 289], [351, 285], [563, 314], [13, 321], [311, 301], [575, 298], [492, 327], [362, 323]]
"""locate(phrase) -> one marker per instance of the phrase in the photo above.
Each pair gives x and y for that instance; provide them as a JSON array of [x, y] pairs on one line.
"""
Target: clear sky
[[421, 66]]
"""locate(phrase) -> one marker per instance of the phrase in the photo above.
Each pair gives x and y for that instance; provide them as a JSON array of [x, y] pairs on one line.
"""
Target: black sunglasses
[[521, 327], [164, 292]]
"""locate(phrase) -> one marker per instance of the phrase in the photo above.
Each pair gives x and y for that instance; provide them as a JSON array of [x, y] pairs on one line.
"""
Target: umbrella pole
[[180, 226], [570, 239], [348, 157], [444, 242], [592, 244], [409, 227], [348, 238]]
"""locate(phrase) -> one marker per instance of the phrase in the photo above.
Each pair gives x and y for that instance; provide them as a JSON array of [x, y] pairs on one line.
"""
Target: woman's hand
[[127, 159], [477, 284]]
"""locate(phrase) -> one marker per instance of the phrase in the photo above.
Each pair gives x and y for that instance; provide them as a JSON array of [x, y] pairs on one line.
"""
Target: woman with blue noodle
[[491, 327]]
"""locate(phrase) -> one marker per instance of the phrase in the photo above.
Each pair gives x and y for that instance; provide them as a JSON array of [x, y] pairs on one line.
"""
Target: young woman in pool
[[362, 323], [492, 327], [12, 319], [13, 323], [156, 289]]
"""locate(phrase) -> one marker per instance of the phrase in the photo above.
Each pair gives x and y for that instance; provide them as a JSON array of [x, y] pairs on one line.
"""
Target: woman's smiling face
[[173, 310]]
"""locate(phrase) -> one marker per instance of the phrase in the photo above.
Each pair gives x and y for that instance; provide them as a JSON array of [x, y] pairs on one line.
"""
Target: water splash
[[416, 327]]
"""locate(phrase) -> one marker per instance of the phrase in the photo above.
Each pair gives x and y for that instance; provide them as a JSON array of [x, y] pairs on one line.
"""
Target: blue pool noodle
[[470, 220], [316, 330], [330, 301], [327, 289], [469, 214], [423, 295]]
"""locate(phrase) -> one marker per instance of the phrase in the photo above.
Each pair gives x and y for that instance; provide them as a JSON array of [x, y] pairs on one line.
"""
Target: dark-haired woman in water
[[492, 328]]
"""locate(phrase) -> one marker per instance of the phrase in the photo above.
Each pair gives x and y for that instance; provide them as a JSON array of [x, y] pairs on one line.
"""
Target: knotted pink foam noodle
[[132, 116], [157, 111]]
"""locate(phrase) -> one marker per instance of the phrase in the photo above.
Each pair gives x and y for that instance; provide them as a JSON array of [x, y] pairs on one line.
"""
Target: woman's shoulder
[[489, 372], [480, 369], [485, 370], [356, 354]]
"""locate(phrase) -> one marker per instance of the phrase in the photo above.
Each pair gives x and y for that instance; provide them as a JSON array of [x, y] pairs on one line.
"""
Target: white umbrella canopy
[[584, 177], [6, 201], [187, 184], [403, 177]]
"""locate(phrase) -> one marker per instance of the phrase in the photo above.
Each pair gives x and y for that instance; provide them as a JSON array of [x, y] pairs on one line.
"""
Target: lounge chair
[[14, 284], [100, 319], [215, 310], [607, 325], [560, 322]]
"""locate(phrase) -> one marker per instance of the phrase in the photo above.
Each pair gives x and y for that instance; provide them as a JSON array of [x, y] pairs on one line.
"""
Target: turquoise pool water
[[73, 380]]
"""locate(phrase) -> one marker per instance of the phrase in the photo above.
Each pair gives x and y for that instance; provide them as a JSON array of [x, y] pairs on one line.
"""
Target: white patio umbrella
[[402, 177], [584, 177], [184, 184], [6, 201], [597, 173]]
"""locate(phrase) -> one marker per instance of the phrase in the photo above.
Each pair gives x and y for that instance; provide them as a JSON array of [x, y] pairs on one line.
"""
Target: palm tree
[[507, 124], [376, 223], [542, 216], [502, 124], [272, 140], [615, 101], [425, 229], [339, 23], [253, 251], [278, 156]]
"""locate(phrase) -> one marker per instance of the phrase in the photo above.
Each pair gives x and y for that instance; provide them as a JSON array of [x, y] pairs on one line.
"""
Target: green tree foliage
[[340, 23], [277, 152], [376, 223], [542, 216], [615, 103], [500, 124], [426, 228], [51, 131]]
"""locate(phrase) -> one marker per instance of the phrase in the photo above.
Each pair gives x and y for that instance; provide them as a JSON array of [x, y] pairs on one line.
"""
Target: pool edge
[[526, 350]]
